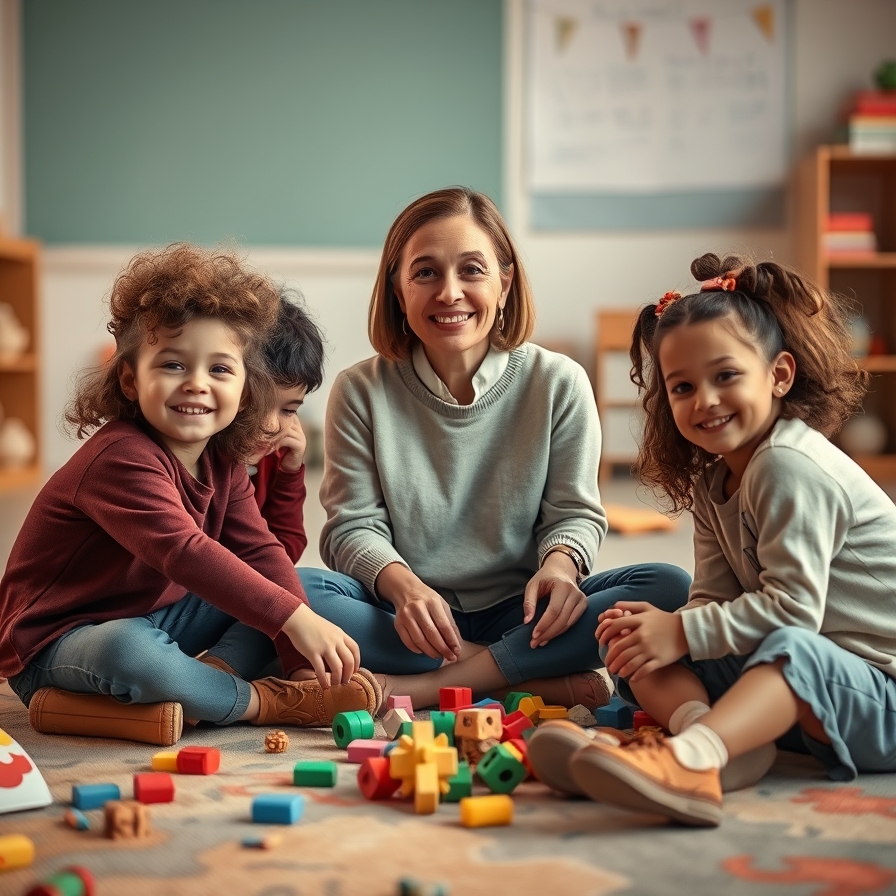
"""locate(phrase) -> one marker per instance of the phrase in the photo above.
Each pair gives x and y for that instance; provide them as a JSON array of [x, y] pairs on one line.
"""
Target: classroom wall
[[835, 47]]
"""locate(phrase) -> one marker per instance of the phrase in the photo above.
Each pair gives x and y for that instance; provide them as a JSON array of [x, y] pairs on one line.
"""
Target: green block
[[66, 883], [500, 770], [314, 774], [349, 726], [406, 728], [443, 723], [461, 785], [512, 701]]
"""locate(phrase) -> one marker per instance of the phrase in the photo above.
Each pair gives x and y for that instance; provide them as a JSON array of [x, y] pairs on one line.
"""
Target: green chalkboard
[[268, 122]]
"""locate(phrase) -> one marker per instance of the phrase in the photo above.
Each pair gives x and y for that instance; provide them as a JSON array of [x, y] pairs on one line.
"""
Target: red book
[[875, 102], [850, 221]]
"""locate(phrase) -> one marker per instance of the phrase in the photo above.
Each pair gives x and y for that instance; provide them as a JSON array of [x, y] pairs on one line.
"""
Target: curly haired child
[[147, 547], [791, 617]]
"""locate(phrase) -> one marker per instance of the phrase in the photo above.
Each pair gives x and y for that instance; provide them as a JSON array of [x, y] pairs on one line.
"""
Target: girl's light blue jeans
[[150, 659], [371, 622]]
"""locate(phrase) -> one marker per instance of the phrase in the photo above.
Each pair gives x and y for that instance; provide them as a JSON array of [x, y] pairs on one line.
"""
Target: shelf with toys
[[19, 364], [846, 241]]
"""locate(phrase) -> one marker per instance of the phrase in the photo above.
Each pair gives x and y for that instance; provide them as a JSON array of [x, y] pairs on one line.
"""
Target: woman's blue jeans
[[371, 622], [150, 659]]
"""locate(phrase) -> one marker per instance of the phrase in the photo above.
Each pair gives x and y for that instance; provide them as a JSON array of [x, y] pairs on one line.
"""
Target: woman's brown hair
[[167, 288], [780, 310], [385, 318]]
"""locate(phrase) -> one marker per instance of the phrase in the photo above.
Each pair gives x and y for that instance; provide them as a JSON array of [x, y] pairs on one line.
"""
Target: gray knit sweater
[[808, 540], [468, 496]]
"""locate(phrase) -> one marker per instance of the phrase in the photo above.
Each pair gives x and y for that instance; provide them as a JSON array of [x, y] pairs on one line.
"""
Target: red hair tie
[[723, 284], [667, 299]]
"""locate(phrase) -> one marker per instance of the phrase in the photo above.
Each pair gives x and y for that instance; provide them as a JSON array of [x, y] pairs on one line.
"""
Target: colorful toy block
[[349, 726], [616, 714], [359, 750], [512, 700], [552, 712], [501, 769], [314, 774], [165, 761], [522, 747], [16, 851], [476, 731], [461, 784], [277, 808], [452, 698], [641, 719], [94, 796], [400, 701], [268, 841], [374, 779], [126, 819], [443, 723], [198, 760], [420, 749], [514, 725], [276, 742], [486, 703], [392, 722], [532, 707], [153, 787], [486, 811], [76, 819], [71, 881]]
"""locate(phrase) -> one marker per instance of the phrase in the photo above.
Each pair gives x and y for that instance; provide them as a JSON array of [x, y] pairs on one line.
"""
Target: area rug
[[794, 833]]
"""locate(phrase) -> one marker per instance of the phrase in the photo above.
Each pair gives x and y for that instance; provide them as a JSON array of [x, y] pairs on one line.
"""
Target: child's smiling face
[[189, 384], [725, 396]]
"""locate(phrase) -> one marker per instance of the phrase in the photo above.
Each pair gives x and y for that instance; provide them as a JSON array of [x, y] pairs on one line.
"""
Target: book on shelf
[[850, 221], [872, 133], [874, 102], [849, 241]]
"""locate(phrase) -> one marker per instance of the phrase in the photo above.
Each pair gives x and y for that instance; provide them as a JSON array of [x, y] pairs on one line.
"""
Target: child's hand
[[605, 617], [324, 645], [641, 640], [566, 602], [292, 438]]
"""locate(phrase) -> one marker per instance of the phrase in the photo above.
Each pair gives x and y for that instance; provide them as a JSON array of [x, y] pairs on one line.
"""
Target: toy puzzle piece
[[22, 786]]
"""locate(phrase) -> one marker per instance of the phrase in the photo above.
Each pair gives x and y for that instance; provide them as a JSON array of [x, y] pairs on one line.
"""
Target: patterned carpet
[[795, 833]]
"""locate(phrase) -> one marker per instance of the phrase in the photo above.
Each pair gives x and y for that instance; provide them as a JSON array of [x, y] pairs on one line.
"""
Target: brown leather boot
[[588, 689], [307, 705], [54, 711]]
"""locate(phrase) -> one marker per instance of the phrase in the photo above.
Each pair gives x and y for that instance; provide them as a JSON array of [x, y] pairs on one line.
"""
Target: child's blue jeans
[[371, 622], [150, 659]]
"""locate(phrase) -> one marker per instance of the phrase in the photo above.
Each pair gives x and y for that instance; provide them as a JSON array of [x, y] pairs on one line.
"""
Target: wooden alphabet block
[[126, 820]]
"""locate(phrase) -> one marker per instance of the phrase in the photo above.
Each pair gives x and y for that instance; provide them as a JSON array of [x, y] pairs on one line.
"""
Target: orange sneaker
[[554, 742], [307, 705], [645, 776]]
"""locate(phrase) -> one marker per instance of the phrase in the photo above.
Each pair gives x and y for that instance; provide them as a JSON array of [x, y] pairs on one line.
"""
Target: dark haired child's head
[[294, 353], [157, 296], [719, 366]]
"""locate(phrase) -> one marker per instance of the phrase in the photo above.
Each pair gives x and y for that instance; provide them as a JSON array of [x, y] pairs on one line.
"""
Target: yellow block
[[165, 762], [16, 851], [552, 712], [485, 811]]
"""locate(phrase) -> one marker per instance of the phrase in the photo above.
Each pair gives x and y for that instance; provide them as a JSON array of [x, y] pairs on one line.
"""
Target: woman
[[463, 515]]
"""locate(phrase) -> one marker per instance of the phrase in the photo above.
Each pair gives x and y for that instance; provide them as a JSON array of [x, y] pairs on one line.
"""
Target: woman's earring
[[404, 328], [499, 325]]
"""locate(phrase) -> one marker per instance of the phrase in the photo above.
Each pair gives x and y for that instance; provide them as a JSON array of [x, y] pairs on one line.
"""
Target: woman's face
[[450, 286]]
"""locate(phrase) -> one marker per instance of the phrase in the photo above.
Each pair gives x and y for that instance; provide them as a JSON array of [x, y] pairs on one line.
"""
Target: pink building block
[[400, 701], [363, 748]]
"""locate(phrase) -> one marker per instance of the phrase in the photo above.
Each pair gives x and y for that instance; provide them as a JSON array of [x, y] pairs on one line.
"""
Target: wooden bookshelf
[[20, 375]]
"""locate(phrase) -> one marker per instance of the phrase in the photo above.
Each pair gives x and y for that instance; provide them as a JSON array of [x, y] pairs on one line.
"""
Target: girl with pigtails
[[791, 619]]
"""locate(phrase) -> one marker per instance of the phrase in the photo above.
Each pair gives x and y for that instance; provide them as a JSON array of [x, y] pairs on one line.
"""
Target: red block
[[374, 779], [640, 719], [514, 725], [198, 760], [451, 699], [153, 787], [523, 747]]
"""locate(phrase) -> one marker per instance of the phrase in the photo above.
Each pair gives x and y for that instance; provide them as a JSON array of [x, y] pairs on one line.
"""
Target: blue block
[[93, 796], [277, 808], [616, 714]]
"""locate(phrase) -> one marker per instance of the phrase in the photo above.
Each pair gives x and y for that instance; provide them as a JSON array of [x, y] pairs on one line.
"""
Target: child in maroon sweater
[[148, 547]]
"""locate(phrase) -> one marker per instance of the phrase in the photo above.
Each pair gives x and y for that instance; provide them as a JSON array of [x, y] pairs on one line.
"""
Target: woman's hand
[[641, 639], [324, 645], [423, 619], [557, 578]]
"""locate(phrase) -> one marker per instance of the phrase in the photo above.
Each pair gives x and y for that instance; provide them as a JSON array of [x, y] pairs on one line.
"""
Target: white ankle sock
[[699, 748], [686, 715]]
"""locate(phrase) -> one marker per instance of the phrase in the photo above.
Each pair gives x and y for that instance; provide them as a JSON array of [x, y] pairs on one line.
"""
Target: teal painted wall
[[270, 122]]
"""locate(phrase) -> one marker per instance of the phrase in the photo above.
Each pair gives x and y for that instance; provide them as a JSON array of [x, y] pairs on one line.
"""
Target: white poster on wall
[[646, 96]]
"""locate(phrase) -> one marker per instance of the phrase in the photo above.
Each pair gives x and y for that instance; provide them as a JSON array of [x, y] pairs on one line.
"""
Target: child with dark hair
[[791, 617], [294, 353], [147, 547]]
